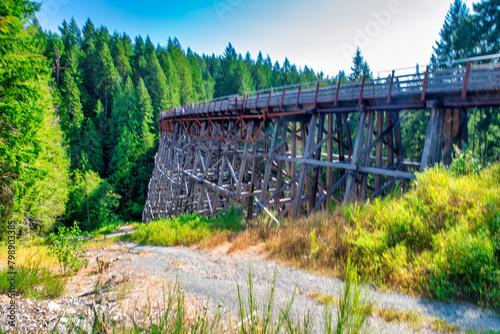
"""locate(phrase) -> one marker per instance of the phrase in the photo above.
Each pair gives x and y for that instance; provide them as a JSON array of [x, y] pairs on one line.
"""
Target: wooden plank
[[317, 152], [387, 172], [304, 168], [379, 148], [269, 163], [431, 128], [366, 159], [448, 137], [313, 163], [351, 179], [329, 151]]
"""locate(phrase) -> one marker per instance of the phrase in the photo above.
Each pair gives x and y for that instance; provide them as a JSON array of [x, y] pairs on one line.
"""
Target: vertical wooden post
[[351, 179], [340, 139], [431, 129], [304, 168], [329, 153], [269, 163], [398, 141], [379, 149], [366, 158], [464, 126], [314, 188], [294, 155], [438, 137], [448, 137]]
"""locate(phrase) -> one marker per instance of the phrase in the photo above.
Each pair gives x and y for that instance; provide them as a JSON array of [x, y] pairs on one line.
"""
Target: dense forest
[[79, 108]]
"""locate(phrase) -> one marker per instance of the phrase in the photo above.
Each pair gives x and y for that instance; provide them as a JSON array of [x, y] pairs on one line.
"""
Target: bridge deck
[[293, 150], [470, 84]]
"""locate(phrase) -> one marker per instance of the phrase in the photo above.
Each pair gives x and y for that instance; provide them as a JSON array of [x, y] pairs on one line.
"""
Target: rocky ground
[[135, 280]]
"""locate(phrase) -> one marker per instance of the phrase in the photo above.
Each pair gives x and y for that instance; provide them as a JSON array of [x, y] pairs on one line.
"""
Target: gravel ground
[[214, 276]]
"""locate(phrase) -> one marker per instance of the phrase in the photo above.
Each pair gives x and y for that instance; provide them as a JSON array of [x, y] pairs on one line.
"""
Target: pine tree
[[174, 85], [187, 91], [33, 165], [71, 115], [155, 81], [457, 35], [120, 57], [360, 67], [487, 24]]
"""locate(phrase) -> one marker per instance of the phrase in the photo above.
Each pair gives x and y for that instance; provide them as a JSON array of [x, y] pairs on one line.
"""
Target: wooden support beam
[[317, 152], [351, 179], [366, 158], [379, 148], [429, 139], [304, 168]]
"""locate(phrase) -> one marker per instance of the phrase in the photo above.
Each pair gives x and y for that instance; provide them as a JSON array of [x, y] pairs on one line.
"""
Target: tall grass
[[442, 238], [188, 229], [255, 315]]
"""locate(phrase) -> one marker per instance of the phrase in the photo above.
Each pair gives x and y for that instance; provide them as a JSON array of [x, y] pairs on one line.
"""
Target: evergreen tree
[[33, 165], [155, 81], [360, 67], [71, 114], [187, 91], [457, 35], [92, 152], [120, 56], [486, 22], [174, 84]]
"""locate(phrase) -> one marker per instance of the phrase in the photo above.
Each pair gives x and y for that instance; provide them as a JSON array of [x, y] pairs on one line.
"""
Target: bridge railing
[[457, 76]]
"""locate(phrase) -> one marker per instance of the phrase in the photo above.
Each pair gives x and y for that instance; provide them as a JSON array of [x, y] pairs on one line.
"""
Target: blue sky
[[322, 34]]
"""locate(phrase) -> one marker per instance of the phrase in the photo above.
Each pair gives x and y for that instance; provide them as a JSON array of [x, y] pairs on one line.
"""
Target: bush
[[188, 229], [68, 248], [92, 201], [441, 238], [182, 230]]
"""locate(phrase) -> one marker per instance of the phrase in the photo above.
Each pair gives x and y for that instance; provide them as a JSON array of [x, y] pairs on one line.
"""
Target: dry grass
[[313, 243], [215, 240], [243, 241], [101, 243], [31, 256]]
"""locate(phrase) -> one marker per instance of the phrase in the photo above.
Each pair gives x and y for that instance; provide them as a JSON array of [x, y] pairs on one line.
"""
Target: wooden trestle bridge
[[290, 151]]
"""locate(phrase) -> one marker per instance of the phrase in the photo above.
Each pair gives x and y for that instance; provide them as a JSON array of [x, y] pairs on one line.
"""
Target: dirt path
[[136, 276], [213, 276]]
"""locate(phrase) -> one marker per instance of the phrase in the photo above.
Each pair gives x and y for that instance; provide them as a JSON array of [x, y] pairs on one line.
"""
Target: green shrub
[[182, 230], [231, 219], [92, 201], [68, 248], [188, 229], [464, 163], [441, 238]]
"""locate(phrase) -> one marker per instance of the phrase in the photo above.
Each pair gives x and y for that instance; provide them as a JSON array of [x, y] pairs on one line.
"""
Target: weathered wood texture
[[290, 151]]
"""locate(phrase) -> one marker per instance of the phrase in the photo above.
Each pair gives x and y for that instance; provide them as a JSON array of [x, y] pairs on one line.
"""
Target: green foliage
[[188, 229], [34, 282], [354, 304], [68, 248], [92, 201], [441, 238], [231, 219], [464, 163], [33, 164]]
